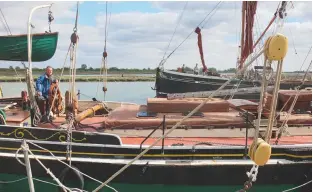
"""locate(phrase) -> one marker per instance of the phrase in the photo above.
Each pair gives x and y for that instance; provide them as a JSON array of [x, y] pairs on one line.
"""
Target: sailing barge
[[173, 82], [207, 152]]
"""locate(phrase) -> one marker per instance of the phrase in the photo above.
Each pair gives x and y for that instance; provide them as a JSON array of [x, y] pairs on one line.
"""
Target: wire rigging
[[163, 61], [178, 22], [6, 23]]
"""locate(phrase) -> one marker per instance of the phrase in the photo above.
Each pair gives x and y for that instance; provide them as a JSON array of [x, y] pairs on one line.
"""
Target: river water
[[134, 92]]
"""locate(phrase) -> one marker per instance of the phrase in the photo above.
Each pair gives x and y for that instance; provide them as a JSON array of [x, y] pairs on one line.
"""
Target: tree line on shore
[[85, 69]]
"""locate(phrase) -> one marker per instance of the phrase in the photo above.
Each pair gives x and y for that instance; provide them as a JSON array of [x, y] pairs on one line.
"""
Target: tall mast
[[242, 31], [248, 12]]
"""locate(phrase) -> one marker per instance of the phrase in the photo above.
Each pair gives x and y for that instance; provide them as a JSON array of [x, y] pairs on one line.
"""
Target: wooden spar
[[242, 33], [271, 22], [88, 112]]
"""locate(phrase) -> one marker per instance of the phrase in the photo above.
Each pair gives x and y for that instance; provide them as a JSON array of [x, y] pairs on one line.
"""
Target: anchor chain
[[252, 175]]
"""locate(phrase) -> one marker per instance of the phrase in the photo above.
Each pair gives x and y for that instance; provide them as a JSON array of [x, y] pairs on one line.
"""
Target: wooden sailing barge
[[213, 145], [172, 82], [207, 152]]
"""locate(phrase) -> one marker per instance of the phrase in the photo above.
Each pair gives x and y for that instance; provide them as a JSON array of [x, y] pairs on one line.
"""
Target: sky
[[139, 32]]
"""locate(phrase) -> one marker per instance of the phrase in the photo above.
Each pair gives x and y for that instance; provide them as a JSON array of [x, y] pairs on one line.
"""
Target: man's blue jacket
[[43, 85]]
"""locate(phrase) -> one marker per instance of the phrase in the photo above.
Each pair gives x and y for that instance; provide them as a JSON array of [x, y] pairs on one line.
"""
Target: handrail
[[163, 127]]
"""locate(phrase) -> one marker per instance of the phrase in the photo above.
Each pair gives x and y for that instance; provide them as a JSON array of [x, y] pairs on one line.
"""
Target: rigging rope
[[178, 22], [167, 133], [215, 9], [76, 19], [284, 125], [103, 68], [73, 50], [48, 170], [6, 24], [163, 61], [297, 187], [105, 54], [61, 75], [298, 73], [69, 165]]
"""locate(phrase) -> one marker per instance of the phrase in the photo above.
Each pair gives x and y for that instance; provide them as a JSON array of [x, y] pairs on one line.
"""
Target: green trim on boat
[[14, 48]]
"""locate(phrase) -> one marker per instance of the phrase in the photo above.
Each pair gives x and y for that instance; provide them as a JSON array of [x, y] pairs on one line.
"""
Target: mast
[[248, 12], [242, 32]]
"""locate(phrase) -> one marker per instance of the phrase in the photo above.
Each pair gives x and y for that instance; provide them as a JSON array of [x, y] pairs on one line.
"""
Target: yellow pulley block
[[260, 152], [276, 47]]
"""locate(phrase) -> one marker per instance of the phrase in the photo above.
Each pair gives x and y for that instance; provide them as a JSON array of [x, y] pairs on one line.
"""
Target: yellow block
[[261, 154], [276, 47]]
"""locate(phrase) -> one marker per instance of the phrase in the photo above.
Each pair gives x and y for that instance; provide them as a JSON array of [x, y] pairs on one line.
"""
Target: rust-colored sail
[[249, 10], [198, 31]]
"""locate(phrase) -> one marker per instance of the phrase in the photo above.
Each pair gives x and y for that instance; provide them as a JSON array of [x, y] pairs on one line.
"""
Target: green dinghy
[[14, 48]]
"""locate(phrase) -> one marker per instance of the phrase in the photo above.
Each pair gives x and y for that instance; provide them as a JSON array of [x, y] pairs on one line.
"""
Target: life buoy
[[68, 174]]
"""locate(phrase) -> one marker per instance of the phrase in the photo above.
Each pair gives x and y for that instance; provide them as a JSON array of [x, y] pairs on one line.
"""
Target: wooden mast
[[242, 32]]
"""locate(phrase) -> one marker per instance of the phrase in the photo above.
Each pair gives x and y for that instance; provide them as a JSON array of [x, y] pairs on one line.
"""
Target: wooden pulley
[[104, 89], [105, 54], [276, 47], [74, 38], [260, 152]]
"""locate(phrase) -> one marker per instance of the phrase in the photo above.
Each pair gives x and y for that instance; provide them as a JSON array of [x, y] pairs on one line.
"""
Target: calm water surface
[[134, 92]]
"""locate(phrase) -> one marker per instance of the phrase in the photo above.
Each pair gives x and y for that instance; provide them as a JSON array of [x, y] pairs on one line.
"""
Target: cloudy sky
[[139, 32]]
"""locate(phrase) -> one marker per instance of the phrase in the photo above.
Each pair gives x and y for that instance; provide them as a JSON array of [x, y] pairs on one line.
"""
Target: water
[[116, 75], [134, 92]]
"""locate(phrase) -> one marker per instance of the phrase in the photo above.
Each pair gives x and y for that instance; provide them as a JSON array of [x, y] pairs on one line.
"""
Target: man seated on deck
[[42, 87]]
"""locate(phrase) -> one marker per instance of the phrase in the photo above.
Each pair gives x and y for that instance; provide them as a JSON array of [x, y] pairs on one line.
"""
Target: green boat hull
[[22, 185], [14, 48]]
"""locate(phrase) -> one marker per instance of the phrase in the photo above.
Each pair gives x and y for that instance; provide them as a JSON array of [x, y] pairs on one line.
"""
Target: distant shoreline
[[93, 78], [113, 77]]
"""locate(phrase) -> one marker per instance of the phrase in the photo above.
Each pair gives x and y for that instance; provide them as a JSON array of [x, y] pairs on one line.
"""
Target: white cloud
[[138, 40]]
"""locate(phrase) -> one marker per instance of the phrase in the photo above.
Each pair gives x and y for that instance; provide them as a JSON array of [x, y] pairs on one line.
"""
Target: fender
[[69, 174]]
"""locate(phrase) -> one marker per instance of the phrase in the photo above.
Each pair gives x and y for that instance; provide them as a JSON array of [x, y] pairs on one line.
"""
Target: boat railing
[[163, 129]]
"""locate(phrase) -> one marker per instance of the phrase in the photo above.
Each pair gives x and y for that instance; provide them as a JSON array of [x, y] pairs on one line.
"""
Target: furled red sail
[[249, 10], [198, 31]]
